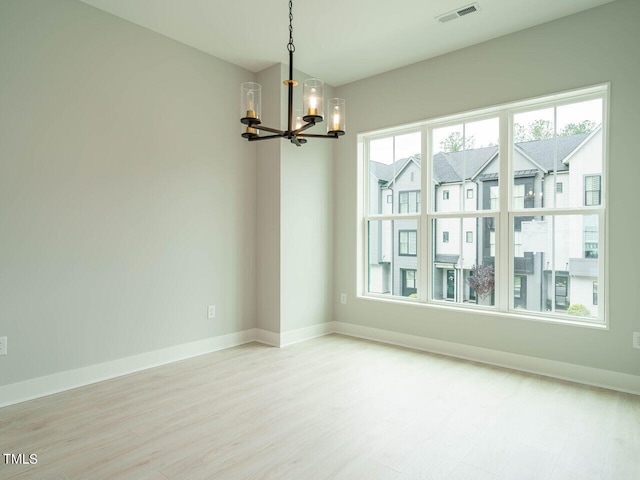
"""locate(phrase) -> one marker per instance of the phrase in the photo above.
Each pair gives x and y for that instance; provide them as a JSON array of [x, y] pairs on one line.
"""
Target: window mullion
[[424, 223], [504, 258]]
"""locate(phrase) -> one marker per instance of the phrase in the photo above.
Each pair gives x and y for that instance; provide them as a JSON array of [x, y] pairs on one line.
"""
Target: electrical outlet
[[211, 311], [3, 345], [343, 298], [636, 340]]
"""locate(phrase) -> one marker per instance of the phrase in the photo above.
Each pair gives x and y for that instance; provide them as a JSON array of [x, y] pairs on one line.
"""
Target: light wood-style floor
[[329, 408]]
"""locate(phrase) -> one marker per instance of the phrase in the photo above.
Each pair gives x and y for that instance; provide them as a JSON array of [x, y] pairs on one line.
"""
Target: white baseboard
[[596, 377], [59, 382], [293, 336], [307, 333], [267, 337]]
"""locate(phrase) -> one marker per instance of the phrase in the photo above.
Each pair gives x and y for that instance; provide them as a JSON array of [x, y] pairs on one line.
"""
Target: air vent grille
[[467, 10], [457, 13]]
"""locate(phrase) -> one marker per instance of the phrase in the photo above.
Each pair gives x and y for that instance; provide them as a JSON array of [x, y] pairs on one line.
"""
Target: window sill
[[486, 311]]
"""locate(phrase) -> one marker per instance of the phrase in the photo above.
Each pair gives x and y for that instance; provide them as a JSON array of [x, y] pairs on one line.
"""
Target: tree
[[453, 143], [585, 126], [536, 130], [482, 280], [543, 129]]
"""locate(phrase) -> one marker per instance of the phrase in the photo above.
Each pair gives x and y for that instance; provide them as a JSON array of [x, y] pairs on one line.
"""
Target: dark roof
[[454, 166], [386, 172], [451, 167], [544, 151]]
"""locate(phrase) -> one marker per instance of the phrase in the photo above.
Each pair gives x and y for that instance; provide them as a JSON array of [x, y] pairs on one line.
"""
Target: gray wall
[[127, 198], [268, 205], [580, 50]]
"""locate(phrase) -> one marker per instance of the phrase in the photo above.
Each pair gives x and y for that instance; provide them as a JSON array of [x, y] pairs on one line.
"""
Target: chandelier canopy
[[312, 107]]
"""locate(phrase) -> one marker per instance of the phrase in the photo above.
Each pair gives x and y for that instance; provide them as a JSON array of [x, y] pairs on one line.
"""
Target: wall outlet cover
[[211, 311], [636, 340]]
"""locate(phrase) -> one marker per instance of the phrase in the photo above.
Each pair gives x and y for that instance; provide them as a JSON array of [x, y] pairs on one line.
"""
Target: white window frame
[[504, 216]]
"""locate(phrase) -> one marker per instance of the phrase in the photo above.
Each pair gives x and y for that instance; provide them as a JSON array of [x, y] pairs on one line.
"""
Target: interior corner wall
[[295, 226], [127, 197], [588, 48], [307, 225]]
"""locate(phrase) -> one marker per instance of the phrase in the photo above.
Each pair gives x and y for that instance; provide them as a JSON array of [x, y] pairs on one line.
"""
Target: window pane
[[387, 264], [465, 161], [463, 266], [557, 156], [554, 268], [394, 167]]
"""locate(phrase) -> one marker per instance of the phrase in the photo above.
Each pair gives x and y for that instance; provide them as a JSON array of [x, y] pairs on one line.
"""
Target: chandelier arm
[[315, 135], [303, 128], [281, 133], [266, 137]]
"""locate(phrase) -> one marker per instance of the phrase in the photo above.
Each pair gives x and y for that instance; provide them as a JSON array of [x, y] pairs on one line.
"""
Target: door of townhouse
[[451, 284], [562, 292], [520, 291], [408, 282]]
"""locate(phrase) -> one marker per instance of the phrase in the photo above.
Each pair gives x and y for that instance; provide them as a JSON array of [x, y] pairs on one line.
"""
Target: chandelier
[[312, 107]]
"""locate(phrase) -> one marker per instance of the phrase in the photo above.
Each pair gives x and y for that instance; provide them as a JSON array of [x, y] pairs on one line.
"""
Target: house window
[[413, 176], [389, 198], [494, 196], [590, 242], [522, 232], [592, 190], [517, 287], [409, 201], [518, 196], [407, 243]]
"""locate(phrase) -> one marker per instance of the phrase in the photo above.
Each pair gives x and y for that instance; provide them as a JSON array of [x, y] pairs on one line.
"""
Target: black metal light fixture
[[313, 107]]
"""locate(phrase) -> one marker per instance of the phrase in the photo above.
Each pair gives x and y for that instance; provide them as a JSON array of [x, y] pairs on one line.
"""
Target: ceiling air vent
[[457, 13]]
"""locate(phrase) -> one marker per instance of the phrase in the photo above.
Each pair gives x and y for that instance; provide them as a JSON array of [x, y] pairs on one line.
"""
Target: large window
[[506, 214]]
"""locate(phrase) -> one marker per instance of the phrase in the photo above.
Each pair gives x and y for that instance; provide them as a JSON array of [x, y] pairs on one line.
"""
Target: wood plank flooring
[[329, 408]]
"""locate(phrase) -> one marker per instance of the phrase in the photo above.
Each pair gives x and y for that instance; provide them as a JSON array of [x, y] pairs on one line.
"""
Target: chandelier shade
[[313, 111]]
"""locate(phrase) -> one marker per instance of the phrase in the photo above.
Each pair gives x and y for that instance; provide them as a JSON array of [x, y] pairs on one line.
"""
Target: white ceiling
[[339, 41]]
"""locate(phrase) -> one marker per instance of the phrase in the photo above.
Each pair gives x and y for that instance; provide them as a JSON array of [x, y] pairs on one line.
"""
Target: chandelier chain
[[290, 46]]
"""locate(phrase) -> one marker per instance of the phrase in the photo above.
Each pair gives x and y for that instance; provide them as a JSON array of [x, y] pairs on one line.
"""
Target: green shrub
[[579, 310]]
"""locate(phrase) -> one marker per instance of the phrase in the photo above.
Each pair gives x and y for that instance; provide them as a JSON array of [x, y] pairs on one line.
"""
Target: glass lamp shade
[[250, 103], [336, 116], [312, 100]]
